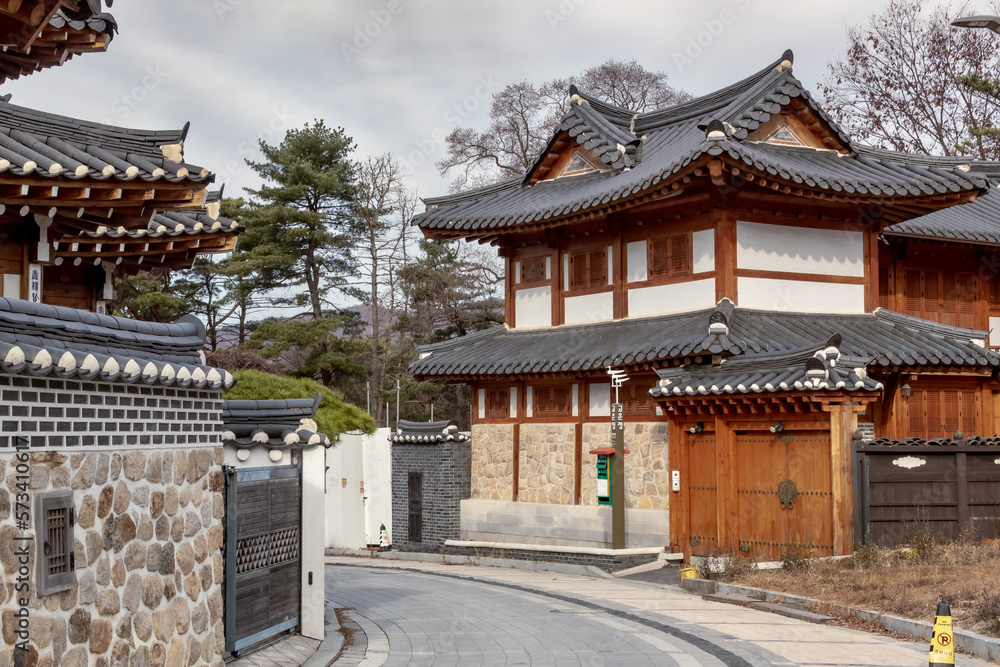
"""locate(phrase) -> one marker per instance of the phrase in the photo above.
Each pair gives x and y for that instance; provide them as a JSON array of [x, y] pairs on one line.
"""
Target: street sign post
[[618, 477], [618, 378]]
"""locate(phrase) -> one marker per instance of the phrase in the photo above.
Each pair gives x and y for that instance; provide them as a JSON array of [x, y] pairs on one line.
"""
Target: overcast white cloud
[[242, 69]]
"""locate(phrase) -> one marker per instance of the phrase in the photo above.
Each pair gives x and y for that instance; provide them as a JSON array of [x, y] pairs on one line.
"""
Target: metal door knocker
[[787, 493]]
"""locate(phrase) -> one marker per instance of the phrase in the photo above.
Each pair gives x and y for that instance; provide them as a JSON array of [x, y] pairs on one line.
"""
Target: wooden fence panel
[[943, 489]]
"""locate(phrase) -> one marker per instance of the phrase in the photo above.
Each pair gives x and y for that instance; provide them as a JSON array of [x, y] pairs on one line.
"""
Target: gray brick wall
[[67, 413], [447, 471]]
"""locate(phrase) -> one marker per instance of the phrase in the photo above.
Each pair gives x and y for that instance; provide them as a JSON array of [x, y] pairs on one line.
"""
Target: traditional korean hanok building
[[770, 286], [111, 427]]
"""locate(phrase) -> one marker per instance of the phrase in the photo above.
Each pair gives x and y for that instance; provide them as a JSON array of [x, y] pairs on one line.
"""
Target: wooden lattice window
[[588, 269], [533, 270], [54, 541], [636, 401], [938, 413], [552, 401], [497, 403], [884, 288], [948, 297], [670, 256]]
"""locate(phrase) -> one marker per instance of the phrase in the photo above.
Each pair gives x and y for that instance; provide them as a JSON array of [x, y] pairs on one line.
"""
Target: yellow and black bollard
[[943, 638]]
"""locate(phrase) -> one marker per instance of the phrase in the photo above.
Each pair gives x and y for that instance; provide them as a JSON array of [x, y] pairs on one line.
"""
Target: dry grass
[[905, 582]]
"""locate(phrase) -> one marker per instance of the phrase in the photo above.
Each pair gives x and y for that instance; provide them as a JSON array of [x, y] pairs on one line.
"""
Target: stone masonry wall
[[546, 464], [493, 461], [446, 468], [149, 522], [647, 473]]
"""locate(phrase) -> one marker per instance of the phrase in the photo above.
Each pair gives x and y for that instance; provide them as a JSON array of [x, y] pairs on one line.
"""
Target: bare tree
[[383, 207], [897, 85], [523, 117]]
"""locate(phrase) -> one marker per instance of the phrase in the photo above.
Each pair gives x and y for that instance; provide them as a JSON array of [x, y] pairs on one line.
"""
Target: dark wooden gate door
[[415, 493], [703, 493], [784, 494], [263, 508]]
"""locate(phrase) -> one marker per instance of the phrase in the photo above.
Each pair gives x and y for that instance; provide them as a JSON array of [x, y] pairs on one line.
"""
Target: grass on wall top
[[334, 415]]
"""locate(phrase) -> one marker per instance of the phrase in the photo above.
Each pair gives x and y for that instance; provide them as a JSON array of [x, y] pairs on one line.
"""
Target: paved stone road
[[425, 613]]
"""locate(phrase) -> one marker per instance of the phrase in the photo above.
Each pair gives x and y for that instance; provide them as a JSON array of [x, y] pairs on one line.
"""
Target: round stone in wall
[[274, 455], [242, 454]]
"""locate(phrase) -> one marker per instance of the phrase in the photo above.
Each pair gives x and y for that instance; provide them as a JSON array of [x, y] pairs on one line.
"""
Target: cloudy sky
[[396, 74]]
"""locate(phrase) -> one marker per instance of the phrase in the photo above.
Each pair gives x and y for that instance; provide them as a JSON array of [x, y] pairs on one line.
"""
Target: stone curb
[[332, 643], [544, 566], [970, 642]]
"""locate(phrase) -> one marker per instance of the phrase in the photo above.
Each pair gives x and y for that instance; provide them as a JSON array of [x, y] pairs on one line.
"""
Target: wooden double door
[[755, 494]]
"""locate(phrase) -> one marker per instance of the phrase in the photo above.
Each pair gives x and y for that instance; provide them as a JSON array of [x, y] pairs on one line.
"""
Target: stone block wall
[[493, 461], [647, 473], [447, 469], [149, 529], [546, 464]]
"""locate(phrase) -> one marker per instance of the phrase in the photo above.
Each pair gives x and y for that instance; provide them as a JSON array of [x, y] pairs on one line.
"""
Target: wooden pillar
[[578, 461], [726, 497], [843, 423], [516, 468], [725, 256], [680, 525]]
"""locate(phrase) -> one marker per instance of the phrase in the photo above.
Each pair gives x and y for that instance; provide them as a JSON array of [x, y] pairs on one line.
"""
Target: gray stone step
[[790, 612], [793, 610]]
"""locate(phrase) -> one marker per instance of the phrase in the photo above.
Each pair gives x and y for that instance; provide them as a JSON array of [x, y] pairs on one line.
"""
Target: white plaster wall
[[590, 308], [600, 400], [11, 286], [635, 256], [377, 467], [801, 296], [799, 249], [345, 508], [675, 298], [995, 331], [703, 247], [312, 556], [533, 307]]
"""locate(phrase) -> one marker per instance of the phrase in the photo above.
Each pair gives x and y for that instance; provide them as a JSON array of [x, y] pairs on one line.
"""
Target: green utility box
[[603, 479]]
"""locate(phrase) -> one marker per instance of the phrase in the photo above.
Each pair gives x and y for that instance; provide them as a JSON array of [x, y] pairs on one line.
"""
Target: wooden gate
[[262, 586], [942, 488], [784, 494], [415, 495], [702, 494]]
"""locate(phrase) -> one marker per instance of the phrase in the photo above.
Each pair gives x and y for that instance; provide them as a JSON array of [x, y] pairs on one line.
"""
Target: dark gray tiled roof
[[427, 432], [975, 222], [49, 145], [64, 37], [39, 339], [273, 423], [168, 223], [675, 138], [889, 339], [823, 369], [977, 441]]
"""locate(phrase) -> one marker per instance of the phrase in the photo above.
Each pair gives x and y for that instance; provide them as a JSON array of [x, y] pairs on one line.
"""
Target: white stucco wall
[[703, 250], [801, 296], [600, 399], [799, 249], [675, 298], [589, 308], [533, 307], [377, 467], [635, 258]]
